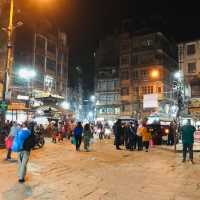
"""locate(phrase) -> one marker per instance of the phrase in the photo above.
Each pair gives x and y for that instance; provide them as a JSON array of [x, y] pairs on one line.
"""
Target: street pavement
[[57, 172]]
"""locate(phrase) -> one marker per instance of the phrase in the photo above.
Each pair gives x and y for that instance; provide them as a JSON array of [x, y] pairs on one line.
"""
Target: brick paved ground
[[58, 172]]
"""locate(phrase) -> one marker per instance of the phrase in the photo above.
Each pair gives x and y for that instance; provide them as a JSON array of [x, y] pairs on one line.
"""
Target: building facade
[[189, 64], [147, 64], [107, 79]]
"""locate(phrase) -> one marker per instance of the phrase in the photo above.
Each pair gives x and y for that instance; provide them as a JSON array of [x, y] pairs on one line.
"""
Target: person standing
[[146, 136], [117, 129], [87, 136], [139, 137], [187, 133], [55, 133], [78, 131]]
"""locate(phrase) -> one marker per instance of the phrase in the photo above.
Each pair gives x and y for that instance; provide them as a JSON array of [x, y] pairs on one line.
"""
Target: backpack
[[29, 143], [19, 139]]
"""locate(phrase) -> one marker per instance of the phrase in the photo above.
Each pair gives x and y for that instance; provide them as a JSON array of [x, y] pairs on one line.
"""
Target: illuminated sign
[[21, 97]]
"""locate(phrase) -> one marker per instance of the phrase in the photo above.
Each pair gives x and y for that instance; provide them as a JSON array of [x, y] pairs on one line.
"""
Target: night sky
[[88, 21]]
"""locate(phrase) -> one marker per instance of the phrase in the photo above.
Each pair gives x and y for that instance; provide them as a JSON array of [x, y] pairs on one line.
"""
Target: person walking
[[187, 133], [13, 131], [87, 136], [146, 136], [78, 131], [23, 143], [117, 129]]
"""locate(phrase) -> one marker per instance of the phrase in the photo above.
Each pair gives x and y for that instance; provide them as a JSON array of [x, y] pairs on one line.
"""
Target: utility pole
[[9, 59]]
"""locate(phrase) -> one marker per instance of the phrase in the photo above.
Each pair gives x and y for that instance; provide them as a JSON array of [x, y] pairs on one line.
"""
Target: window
[[192, 67], [125, 107], [110, 98], [159, 89], [136, 91], [147, 90], [134, 60], [191, 49], [124, 91], [143, 74], [117, 111], [110, 110], [39, 60], [124, 46], [40, 43], [49, 83], [135, 75], [124, 60], [51, 47], [51, 64], [124, 75]]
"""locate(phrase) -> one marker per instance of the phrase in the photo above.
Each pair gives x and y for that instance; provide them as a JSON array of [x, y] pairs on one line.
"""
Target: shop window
[[192, 67], [125, 91], [191, 49]]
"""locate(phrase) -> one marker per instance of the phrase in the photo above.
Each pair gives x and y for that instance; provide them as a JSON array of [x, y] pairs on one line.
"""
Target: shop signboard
[[17, 106], [197, 136]]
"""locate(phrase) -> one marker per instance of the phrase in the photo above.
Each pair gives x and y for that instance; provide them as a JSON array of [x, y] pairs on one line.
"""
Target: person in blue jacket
[[78, 132], [24, 152]]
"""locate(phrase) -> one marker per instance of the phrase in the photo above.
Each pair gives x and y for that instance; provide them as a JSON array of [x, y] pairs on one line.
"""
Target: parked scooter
[[39, 137]]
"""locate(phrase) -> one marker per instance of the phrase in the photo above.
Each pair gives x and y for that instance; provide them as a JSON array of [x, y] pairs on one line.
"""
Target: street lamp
[[65, 105], [155, 73], [93, 98], [27, 73]]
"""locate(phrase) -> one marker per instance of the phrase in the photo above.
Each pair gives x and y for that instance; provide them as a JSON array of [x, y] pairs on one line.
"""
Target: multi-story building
[[46, 51], [147, 64], [107, 79], [3, 42], [189, 64]]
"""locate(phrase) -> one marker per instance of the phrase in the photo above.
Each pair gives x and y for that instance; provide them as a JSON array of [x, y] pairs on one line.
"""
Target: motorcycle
[[39, 139]]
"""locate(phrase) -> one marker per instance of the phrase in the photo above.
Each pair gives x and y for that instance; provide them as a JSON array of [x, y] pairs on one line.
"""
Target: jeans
[[9, 154], [139, 143], [78, 142], [187, 147], [23, 158]]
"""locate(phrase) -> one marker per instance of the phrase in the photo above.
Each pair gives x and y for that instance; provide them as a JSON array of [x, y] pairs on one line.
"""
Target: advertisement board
[[150, 101]]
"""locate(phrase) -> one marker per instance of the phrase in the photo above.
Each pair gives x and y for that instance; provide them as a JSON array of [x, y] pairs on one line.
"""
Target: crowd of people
[[132, 135]]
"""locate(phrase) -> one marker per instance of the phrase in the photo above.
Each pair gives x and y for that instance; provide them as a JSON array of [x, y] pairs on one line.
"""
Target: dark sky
[[90, 20], [87, 21]]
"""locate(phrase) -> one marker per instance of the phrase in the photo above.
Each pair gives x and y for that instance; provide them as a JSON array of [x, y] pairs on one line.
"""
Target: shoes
[[183, 160], [21, 180], [118, 148], [192, 162]]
